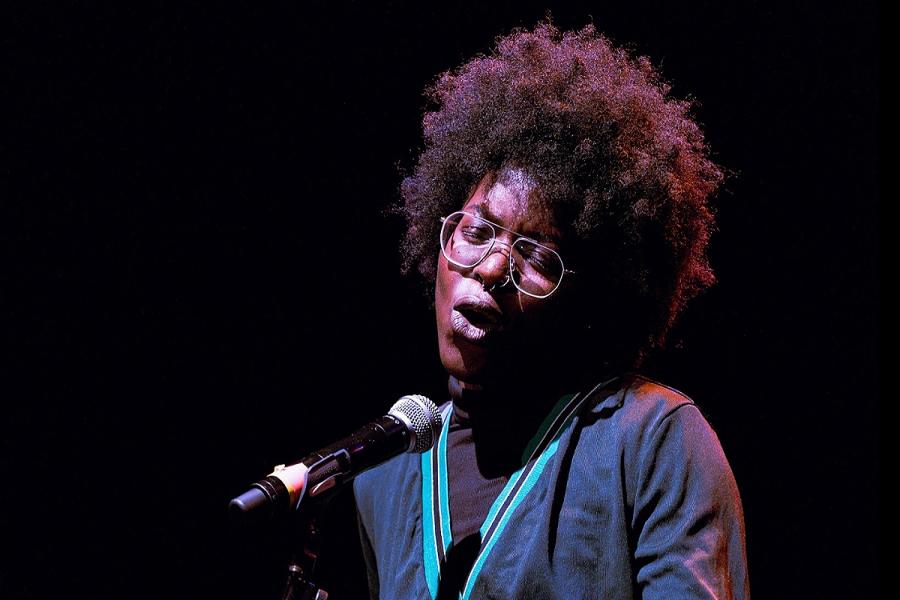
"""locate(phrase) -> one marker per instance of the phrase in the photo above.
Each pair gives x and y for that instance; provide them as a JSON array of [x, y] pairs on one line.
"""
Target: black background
[[199, 282]]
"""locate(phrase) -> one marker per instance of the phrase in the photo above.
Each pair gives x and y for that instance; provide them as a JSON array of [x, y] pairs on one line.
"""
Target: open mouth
[[474, 319], [479, 318]]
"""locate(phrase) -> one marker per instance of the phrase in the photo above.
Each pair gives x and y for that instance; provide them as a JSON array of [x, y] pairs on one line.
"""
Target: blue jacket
[[629, 496]]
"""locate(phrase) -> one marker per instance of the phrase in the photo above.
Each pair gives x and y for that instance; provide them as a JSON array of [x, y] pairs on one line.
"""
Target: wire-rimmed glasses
[[535, 269]]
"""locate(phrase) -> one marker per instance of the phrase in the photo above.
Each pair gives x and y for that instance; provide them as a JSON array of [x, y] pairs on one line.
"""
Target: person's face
[[501, 334]]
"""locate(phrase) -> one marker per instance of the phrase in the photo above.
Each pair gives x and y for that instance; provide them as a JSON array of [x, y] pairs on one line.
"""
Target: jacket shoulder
[[637, 399]]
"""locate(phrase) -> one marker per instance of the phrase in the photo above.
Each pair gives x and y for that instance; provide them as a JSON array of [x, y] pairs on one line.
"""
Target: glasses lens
[[537, 269], [465, 239]]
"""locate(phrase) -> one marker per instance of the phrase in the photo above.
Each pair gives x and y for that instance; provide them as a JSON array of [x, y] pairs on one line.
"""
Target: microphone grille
[[423, 418]]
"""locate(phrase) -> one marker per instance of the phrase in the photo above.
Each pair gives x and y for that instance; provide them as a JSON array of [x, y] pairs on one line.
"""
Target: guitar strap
[[435, 498]]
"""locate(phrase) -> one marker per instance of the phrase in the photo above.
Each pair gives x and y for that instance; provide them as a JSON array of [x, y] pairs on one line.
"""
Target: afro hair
[[623, 165]]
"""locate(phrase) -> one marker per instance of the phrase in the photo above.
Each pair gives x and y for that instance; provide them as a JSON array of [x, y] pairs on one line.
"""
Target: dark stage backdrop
[[199, 281]]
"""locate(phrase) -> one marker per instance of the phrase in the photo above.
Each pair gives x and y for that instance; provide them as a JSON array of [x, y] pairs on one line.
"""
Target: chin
[[466, 364]]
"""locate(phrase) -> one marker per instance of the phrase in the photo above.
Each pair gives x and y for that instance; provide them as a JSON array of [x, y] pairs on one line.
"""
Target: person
[[561, 210]]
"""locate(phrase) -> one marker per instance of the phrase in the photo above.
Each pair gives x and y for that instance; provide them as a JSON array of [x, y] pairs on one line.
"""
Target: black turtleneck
[[488, 433], [475, 477]]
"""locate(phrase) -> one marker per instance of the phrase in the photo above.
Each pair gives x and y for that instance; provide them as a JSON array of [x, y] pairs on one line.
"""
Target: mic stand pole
[[300, 584]]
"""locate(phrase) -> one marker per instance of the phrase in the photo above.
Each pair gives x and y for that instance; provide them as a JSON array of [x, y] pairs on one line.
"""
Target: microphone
[[411, 425]]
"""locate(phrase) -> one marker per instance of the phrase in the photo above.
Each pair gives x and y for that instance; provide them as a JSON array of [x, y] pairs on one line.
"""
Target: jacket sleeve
[[369, 557], [688, 519]]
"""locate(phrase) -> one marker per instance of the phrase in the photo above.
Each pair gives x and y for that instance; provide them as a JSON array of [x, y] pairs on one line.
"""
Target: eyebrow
[[482, 211]]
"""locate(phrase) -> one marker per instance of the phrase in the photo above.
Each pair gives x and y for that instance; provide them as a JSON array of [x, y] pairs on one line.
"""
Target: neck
[[495, 403], [503, 420], [500, 388]]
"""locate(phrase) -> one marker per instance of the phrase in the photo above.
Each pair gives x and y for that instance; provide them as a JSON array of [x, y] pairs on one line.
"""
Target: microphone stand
[[300, 584], [307, 545]]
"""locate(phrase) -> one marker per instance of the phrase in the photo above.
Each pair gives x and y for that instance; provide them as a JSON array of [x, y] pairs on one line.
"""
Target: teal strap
[[504, 518], [435, 524], [436, 503]]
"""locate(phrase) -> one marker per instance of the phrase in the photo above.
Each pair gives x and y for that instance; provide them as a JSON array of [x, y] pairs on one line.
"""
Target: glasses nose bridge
[[497, 245], [498, 232]]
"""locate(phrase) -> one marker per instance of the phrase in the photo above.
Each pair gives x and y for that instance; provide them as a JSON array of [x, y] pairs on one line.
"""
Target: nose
[[494, 267]]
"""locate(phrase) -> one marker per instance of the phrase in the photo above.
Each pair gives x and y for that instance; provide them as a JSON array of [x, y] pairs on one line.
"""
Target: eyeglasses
[[535, 269]]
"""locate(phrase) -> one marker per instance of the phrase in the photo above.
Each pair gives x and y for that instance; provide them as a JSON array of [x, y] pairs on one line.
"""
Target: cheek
[[446, 278], [450, 355], [440, 277], [442, 290]]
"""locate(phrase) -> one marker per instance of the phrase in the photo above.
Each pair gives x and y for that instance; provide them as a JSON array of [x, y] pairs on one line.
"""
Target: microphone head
[[422, 418]]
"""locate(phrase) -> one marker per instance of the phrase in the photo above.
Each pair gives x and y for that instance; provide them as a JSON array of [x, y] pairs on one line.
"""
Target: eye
[[476, 234], [539, 258]]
